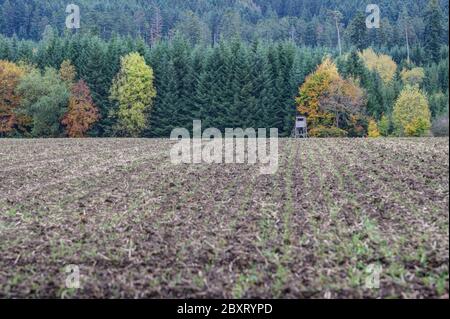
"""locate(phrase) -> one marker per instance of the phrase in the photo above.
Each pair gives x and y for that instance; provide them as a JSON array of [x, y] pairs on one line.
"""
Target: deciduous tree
[[413, 77], [67, 72], [44, 98], [373, 129], [381, 63], [327, 99], [411, 115], [82, 113], [10, 76], [314, 88], [384, 126], [133, 92], [342, 98]]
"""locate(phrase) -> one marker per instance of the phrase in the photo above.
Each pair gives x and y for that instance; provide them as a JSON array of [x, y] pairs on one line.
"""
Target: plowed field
[[139, 227]]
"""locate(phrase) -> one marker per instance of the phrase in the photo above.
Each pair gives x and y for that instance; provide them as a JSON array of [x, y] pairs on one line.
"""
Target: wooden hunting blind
[[301, 127]]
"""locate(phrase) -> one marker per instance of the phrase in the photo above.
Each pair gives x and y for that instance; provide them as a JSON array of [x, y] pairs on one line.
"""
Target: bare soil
[[139, 227]]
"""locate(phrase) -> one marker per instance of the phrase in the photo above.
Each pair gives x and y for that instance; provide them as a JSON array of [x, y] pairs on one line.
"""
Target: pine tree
[[181, 64], [239, 87], [9, 15], [275, 118], [261, 86], [354, 67], [357, 31], [287, 110], [374, 87], [209, 89], [97, 75], [433, 30], [156, 26], [165, 116]]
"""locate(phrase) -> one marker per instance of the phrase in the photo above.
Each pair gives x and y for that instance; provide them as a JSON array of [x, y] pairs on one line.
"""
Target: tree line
[[123, 87], [231, 84]]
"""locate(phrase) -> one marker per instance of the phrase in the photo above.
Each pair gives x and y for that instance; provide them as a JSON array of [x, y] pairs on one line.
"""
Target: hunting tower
[[301, 127]]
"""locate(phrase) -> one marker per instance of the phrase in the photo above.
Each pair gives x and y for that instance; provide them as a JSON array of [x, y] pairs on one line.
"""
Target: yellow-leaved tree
[[381, 63], [10, 76], [411, 115], [329, 101], [384, 125], [413, 77], [67, 72], [315, 86], [133, 91], [373, 129]]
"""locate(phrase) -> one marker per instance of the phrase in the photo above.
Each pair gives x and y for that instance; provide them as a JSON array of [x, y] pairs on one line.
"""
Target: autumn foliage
[[411, 113], [133, 92], [381, 63], [373, 129], [329, 101], [413, 77], [82, 113], [10, 75], [315, 87], [67, 72]]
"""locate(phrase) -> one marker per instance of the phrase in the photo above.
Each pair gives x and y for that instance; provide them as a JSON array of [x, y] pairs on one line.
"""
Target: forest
[[142, 68]]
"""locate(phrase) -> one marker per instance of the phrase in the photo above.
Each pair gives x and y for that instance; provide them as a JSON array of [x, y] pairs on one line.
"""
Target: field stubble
[[140, 227]]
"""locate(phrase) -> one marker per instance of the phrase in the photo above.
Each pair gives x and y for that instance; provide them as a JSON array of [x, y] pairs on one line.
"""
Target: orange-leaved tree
[[343, 98], [329, 101], [10, 75], [315, 86], [82, 113]]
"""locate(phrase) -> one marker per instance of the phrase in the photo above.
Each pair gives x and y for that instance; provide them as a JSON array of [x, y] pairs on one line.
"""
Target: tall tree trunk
[[339, 36], [407, 44]]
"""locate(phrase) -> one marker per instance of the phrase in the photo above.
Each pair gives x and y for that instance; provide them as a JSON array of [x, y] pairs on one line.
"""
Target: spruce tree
[[357, 31], [433, 30]]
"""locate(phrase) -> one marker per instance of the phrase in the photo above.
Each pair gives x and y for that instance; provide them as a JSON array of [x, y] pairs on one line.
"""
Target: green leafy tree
[[411, 115], [384, 125], [44, 98], [383, 64], [133, 92]]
